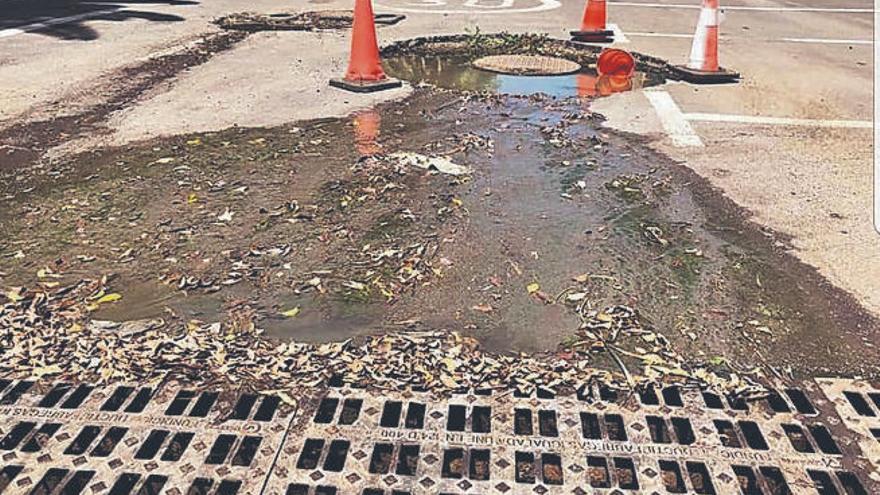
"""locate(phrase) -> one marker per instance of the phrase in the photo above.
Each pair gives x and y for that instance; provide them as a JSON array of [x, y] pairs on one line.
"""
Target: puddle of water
[[458, 73], [542, 208], [367, 124], [329, 321], [144, 300], [317, 321]]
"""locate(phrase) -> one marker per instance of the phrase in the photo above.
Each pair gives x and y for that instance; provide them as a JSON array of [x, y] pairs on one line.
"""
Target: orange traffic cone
[[365, 72], [703, 64], [593, 27]]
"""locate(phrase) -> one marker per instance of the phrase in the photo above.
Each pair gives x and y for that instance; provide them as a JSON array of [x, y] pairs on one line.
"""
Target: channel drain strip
[[669, 440], [857, 403], [67, 439]]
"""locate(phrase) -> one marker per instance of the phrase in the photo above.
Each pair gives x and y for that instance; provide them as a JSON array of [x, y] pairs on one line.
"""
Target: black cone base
[[365, 86], [696, 76], [601, 36]]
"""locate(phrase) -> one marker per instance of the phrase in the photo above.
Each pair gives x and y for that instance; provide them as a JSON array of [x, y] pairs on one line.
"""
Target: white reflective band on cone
[[708, 18]]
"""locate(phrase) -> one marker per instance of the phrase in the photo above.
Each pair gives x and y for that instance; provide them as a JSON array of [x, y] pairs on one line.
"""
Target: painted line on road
[[665, 35], [676, 126], [619, 35], [758, 120], [6, 33], [769, 40], [746, 8], [828, 41]]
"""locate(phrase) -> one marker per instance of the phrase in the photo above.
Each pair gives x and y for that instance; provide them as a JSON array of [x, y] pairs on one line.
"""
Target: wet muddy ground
[[327, 235]]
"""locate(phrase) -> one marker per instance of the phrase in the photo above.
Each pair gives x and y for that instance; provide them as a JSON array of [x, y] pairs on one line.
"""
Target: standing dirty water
[[458, 73], [506, 217]]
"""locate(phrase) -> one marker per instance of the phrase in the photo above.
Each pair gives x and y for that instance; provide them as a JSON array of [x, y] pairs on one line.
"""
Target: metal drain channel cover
[[668, 441], [69, 439], [527, 65]]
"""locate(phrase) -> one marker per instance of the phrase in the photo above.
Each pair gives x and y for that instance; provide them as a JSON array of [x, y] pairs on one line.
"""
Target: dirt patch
[[24, 143], [831, 323], [303, 21]]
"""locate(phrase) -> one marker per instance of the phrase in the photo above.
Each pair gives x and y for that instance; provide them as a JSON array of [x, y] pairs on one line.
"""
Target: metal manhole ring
[[527, 65]]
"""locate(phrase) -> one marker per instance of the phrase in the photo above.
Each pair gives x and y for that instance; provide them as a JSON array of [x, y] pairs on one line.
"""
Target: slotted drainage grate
[[69, 439], [75, 438], [663, 441]]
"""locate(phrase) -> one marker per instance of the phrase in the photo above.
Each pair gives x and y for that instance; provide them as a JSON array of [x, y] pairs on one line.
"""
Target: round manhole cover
[[527, 65]]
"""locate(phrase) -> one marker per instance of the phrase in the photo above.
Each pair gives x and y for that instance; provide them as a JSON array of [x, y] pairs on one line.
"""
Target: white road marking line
[[752, 119], [6, 33], [662, 35], [828, 41], [746, 8], [785, 40], [619, 35], [676, 126]]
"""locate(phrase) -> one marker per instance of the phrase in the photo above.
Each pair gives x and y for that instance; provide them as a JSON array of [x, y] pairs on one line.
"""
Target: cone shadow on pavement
[[364, 74]]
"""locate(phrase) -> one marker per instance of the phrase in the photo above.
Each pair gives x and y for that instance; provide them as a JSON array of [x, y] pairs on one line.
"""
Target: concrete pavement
[[808, 183]]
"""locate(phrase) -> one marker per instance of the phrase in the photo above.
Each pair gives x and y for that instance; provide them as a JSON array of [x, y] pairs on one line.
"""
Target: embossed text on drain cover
[[660, 441]]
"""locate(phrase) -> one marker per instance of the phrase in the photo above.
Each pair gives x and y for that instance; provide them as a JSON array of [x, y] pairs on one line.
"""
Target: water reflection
[[586, 85], [607, 85], [457, 73], [366, 131]]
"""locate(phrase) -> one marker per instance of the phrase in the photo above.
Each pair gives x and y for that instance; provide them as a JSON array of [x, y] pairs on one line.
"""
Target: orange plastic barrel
[[615, 62]]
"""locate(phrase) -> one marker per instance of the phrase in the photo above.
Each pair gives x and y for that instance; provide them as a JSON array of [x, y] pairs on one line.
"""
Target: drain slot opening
[[351, 410], [408, 460]]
